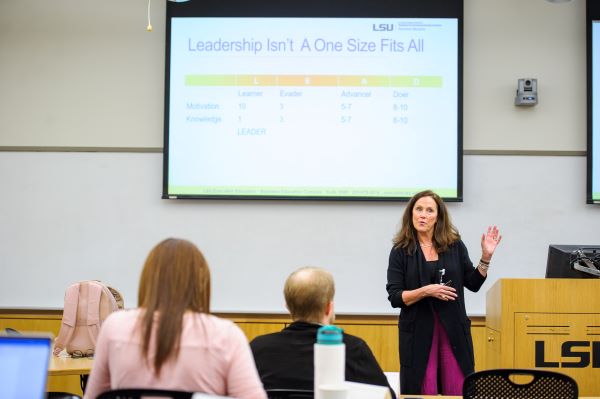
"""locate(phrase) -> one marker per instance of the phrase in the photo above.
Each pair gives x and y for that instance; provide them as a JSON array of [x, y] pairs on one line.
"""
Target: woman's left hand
[[489, 242]]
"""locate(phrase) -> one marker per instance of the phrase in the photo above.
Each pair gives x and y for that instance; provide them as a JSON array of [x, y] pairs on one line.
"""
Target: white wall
[[86, 74], [81, 73], [510, 39], [73, 216]]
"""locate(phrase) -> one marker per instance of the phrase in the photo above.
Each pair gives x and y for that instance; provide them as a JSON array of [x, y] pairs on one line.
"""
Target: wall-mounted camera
[[526, 92]]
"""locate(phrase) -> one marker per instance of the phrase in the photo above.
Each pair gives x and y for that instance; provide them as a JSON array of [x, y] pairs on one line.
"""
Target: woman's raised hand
[[489, 242]]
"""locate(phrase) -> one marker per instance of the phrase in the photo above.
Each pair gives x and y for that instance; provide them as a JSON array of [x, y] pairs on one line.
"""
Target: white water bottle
[[329, 358]]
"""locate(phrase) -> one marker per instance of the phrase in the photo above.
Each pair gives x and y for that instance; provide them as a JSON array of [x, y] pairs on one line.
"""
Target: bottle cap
[[330, 335]]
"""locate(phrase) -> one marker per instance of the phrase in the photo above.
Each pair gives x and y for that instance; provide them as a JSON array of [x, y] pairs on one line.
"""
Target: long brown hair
[[175, 279], [444, 233]]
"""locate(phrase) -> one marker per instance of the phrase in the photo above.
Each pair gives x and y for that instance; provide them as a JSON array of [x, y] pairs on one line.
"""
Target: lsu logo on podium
[[573, 354]]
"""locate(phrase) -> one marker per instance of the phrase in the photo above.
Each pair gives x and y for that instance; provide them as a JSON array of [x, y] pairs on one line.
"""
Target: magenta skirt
[[442, 365]]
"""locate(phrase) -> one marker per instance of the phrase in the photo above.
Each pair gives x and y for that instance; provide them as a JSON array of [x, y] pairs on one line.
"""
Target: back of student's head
[[308, 291], [175, 279]]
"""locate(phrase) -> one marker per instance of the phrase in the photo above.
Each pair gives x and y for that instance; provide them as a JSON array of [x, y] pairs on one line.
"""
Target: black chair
[[499, 384], [290, 394], [141, 392], [61, 395]]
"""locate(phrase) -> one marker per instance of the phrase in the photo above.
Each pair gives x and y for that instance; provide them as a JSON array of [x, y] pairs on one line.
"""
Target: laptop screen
[[23, 366]]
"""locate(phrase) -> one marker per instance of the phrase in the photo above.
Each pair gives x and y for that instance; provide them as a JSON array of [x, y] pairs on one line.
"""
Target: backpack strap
[[69, 318], [93, 312]]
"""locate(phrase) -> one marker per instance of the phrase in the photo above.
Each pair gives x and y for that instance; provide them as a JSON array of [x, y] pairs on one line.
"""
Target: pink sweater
[[214, 358]]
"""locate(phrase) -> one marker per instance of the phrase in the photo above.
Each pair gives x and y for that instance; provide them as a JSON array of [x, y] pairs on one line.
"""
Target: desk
[[60, 365], [428, 397], [62, 371], [460, 397]]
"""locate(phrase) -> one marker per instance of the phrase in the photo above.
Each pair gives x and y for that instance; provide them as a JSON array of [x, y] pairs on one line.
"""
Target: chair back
[[61, 395], [499, 385], [290, 394], [145, 393]]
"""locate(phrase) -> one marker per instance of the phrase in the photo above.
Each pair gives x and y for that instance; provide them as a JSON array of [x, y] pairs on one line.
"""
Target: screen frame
[[317, 9], [39, 342], [592, 14]]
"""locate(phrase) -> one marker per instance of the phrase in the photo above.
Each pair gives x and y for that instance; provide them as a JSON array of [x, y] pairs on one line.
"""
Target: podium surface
[[551, 324]]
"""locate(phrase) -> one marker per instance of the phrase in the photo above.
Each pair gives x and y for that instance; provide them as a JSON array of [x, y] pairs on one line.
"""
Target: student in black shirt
[[285, 359]]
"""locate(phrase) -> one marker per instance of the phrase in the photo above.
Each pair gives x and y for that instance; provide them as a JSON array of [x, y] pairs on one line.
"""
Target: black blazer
[[415, 325], [285, 359]]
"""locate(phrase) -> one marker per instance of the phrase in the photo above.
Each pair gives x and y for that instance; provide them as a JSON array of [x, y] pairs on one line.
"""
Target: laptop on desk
[[24, 366]]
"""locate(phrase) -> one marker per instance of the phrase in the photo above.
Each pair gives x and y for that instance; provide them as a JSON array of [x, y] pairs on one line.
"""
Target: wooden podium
[[551, 324]]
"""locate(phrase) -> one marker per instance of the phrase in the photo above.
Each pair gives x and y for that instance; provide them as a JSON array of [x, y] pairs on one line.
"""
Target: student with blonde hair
[[285, 359], [171, 341]]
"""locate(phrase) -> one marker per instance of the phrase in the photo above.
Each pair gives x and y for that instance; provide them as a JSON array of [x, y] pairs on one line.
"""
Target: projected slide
[[595, 150], [313, 107]]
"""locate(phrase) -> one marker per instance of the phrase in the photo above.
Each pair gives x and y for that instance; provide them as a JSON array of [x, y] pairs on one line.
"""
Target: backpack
[[87, 305]]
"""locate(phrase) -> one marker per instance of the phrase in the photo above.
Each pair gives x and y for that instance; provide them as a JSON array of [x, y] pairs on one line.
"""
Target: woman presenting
[[429, 268]]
